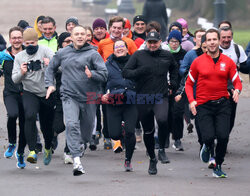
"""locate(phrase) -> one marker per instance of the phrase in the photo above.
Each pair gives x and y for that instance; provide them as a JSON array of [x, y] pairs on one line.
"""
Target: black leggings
[[14, 106], [146, 116], [45, 107], [128, 114]]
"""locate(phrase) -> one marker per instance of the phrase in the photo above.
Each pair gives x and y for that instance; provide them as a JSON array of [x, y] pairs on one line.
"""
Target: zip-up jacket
[[211, 78], [50, 43]]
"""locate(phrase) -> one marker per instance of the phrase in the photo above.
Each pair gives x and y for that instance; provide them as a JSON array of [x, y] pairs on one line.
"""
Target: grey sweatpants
[[79, 121]]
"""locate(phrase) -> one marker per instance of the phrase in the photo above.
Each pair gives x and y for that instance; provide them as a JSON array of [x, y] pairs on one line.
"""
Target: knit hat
[[175, 24], [72, 19], [99, 23], [127, 24], [61, 38], [139, 18], [175, 34], [183, 22], [23, 24], [30, 34], [40, 18]]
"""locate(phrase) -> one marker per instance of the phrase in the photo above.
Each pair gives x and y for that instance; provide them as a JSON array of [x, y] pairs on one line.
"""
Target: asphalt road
[[185, 175]]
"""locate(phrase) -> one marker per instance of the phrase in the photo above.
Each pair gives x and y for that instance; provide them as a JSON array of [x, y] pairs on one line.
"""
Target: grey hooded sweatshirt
[[75, 83]]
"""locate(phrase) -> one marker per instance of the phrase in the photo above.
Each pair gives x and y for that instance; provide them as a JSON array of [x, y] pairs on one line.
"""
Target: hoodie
[[75, 83]]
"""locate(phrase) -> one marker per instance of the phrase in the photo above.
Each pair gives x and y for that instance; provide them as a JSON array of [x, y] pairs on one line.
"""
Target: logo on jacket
[[223, 66]]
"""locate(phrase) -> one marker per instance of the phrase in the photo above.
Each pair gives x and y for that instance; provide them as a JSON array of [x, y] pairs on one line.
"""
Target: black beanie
[[62, 37], [23, 24], [139, 18], [72, 19], [177, 24]]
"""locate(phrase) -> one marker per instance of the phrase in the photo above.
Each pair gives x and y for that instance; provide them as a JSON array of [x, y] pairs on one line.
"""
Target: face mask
[[30, 49]]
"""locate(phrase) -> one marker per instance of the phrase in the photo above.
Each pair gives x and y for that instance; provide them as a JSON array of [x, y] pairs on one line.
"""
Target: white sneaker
[[78, 169], [68, 158]]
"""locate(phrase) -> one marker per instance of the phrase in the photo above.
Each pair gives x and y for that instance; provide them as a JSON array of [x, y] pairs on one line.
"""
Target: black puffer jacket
[[150, 71], [155, 10]]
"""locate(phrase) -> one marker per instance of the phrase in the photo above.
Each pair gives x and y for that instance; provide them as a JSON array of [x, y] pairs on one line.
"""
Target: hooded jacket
[[6, 67], [75, 83]]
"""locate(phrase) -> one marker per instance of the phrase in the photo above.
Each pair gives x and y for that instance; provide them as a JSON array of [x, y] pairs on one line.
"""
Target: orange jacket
[[105, 47], [95, 42]]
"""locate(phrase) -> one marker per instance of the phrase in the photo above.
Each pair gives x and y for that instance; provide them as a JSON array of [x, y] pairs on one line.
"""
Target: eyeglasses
[[68, 41], [173, 42], [121, 46]]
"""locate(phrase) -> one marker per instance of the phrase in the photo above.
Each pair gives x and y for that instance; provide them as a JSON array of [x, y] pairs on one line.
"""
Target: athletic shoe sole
[[76, 172], [31, 160], [222, 176]]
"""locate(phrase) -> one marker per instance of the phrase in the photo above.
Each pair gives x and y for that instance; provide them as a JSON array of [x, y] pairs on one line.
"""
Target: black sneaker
[[39, 148], [162, 156], [178, 145], [128, 166], [190, 127], [78, 170], [152, 170], [92, 143]]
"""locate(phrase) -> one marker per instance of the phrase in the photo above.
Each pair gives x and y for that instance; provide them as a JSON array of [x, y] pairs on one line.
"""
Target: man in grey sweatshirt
[[83, 70], [29, 67]]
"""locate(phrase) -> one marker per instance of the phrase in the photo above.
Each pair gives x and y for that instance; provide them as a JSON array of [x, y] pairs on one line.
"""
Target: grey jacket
[[75, 83], [32, 81]]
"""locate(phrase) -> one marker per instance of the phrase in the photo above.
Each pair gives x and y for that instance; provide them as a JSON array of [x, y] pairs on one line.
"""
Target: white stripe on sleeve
[[191, 77], [235, 76]]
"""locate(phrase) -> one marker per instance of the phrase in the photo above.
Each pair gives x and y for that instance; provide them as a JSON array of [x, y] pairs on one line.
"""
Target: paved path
[[185, 175]]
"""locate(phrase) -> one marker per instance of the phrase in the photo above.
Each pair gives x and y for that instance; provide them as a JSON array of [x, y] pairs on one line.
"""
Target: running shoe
[[68, 158], [39, 148], [162, 156], [205, 154], [190, 127], [78, 169], [10, 151], [32, 157], [128, 166], [152, 170], [178, 145], [211, 163], [92, 144], [20, 161], [47, 156], [107, 144], [117, 146], [218, 173]]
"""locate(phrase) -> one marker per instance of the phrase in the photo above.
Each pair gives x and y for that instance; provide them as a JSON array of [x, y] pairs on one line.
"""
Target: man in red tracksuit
[[212, 70]]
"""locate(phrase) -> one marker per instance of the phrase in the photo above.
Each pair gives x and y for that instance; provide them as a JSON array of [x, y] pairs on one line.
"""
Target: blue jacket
[[116, 83], [187, 61]]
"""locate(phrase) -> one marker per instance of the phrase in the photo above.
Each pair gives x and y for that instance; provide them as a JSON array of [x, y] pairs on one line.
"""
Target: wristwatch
[[238, 91]]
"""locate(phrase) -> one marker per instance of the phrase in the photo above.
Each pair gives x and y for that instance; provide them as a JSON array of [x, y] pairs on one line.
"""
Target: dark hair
[[153, 25], [226, 29], [117, 19], [213, 30], [118, 41], [226, 22], [199, 30], [15, 29], [91, 31], [49, 19]]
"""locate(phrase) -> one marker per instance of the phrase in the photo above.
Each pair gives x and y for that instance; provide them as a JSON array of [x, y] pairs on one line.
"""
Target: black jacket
[[155, 10], [150, 71], [116, 83]]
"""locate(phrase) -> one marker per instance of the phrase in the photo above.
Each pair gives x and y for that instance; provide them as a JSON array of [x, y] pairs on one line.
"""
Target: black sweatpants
[[105, 130], [214, 123], [45, 107], [115, 116], [147, 112], [14, 106]]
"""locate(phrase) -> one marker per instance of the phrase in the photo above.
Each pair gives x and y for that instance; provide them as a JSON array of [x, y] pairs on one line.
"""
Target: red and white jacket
[[211, 78]]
